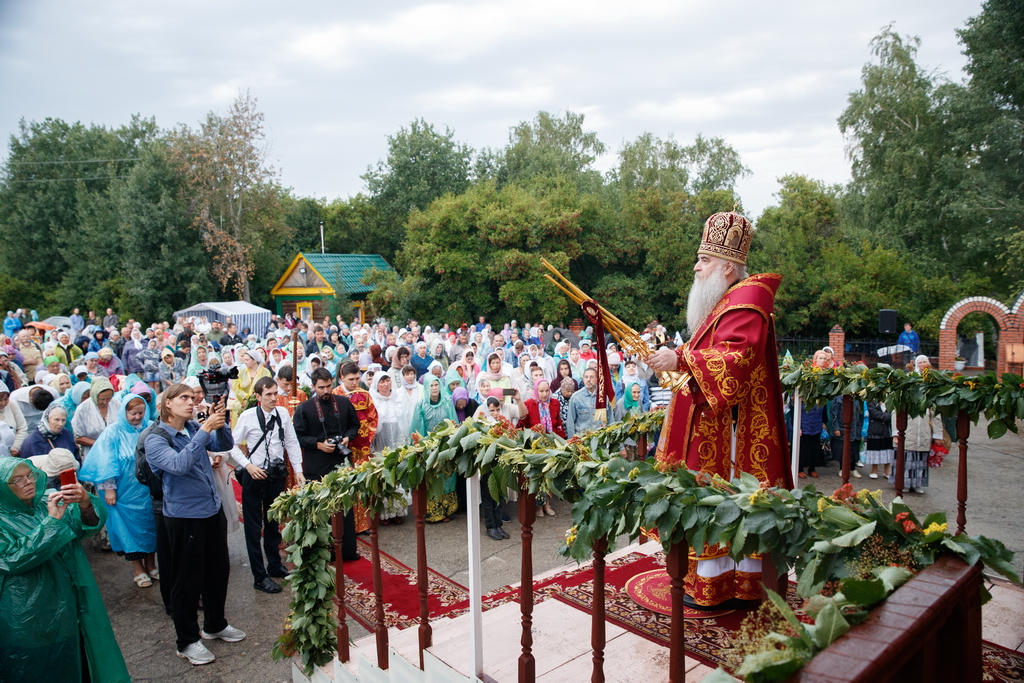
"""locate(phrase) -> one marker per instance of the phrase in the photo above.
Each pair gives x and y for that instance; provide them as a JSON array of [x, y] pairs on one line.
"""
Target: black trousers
[[810, 451], [163, 559], [199, 568], [489, 508], [257, 496]]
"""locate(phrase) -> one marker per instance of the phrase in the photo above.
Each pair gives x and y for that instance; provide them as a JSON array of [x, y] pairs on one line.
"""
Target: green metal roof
[[348, 268]]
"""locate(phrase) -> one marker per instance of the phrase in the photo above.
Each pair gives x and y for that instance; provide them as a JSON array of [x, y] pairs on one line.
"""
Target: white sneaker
[[197, 653], [228, 635], [855, 474], [873, 475], [917, 489]]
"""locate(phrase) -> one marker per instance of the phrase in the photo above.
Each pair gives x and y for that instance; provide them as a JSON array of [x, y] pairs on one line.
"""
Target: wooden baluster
[[379, 629], [677, 564], [847, 422], [901, 454], [963, 430], [597, 636], [419, 510], [527, 516], [338, 528]]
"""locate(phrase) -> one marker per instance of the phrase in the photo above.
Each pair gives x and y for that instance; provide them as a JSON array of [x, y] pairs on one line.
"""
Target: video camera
[[215, 383]]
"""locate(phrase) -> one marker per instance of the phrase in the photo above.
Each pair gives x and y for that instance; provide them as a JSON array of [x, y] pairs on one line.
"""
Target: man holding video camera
[[324, 425], [263, 434]]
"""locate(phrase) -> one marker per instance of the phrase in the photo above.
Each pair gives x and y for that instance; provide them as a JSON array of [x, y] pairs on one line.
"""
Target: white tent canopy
[[242, 313]]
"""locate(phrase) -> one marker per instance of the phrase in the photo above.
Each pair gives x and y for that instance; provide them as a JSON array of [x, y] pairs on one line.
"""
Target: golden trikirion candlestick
[[626, 336]]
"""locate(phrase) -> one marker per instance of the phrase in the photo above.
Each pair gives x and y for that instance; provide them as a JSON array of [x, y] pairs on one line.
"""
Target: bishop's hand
[[663, 360]]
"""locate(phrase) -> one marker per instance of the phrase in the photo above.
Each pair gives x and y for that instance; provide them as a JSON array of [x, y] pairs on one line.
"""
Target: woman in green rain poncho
[[435, 408], [53, 623]]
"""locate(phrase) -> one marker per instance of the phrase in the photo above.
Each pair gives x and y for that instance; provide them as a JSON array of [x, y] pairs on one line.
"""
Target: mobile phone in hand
[[508, 392], [68, 477]]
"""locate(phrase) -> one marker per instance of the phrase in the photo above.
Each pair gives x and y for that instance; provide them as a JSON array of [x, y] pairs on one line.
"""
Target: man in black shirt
[[231, 337], [322, 417]]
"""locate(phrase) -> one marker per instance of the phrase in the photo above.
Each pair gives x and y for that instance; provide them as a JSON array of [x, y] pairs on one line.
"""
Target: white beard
[[705, 293]]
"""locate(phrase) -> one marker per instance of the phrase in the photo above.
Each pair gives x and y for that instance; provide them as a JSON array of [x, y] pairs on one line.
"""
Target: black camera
[[277, 470], [337, 441], [215, 384]]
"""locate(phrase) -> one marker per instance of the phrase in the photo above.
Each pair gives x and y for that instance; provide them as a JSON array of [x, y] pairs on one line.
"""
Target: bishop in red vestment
[[728, 417]]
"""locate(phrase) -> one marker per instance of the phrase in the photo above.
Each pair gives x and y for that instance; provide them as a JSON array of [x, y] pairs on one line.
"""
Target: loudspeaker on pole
[[887, 321]]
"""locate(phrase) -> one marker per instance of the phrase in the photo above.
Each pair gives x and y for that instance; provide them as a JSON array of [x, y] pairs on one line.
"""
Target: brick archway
[[1009, 321]]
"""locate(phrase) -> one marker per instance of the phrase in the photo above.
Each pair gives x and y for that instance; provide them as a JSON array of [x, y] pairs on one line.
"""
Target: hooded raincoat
[[50, 606], [130, 521]]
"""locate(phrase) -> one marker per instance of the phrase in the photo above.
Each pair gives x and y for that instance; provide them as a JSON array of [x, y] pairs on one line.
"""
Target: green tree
[[422, 164], [234, 196], [53, 169], [550, 147], [479, 252], [165, 266]]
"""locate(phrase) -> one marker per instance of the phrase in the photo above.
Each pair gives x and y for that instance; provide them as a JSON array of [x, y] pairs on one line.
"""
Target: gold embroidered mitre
[[727, 235]]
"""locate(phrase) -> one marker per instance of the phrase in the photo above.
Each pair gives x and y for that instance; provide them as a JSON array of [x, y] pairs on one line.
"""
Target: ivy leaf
[[996, 429], [893, 577], [654, 511], [864, 593], [829, 625], [854, 537], [727, 513]]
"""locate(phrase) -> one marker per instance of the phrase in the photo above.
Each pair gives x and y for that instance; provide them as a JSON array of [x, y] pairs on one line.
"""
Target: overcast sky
[[334, 79]]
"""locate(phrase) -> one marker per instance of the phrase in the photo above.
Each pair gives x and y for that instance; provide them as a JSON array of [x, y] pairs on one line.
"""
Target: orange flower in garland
[[843, 493], [908, 524]]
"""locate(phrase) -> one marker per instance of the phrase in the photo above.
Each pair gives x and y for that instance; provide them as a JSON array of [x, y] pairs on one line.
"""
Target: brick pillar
[[947, 348], [837, 340]]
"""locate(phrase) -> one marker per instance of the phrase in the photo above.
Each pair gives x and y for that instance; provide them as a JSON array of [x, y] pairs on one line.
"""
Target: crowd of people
[[872, 436], [160, 421]]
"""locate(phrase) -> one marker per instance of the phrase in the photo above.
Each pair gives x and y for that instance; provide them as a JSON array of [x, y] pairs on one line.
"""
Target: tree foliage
[[232, 191]]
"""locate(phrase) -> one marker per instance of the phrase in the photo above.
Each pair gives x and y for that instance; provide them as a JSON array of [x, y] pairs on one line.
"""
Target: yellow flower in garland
[[570, 535], [758, 496], [823, 504], [935, 527], [633, 474]]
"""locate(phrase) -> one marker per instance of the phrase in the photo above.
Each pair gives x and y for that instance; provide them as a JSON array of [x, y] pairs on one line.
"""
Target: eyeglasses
[[19, 481]]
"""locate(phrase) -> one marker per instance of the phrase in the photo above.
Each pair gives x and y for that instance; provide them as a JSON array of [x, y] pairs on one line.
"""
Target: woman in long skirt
[[434, 409], [879, 443], [921, 433]]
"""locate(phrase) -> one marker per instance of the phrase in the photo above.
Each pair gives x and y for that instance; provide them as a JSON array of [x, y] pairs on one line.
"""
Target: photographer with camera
[[194, 519], [263, 434], [324, 425]]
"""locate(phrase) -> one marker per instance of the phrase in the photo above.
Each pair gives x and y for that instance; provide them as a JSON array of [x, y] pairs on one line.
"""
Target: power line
[[56, 180], [76, 161]]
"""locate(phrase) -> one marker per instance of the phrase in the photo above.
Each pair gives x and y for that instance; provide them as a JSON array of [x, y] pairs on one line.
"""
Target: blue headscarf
[[73, 398]]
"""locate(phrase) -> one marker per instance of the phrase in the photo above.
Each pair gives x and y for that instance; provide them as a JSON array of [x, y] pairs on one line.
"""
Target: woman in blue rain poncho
[[111, 467], [435, 408], [51, 612]]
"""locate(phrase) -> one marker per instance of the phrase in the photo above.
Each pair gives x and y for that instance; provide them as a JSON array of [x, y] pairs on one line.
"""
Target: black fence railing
[[855, 350]]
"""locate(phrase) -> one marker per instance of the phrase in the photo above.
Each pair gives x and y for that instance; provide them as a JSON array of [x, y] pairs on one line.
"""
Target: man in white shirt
[[262, 435]]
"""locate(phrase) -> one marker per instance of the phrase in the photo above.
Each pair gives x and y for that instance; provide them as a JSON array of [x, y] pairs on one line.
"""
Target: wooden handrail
[[338, 529], [419, 510], [527, 517], [929, 631]]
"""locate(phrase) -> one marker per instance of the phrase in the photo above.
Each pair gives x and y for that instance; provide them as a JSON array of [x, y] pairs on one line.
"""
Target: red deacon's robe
[[733, 363]]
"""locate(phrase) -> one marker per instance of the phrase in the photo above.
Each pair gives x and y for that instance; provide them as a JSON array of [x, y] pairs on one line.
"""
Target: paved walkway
[[146, 635]]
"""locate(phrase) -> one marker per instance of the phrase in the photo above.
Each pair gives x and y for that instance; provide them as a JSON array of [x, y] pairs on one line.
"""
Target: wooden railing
[[677, 563], [963, 432], [928, 631]]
